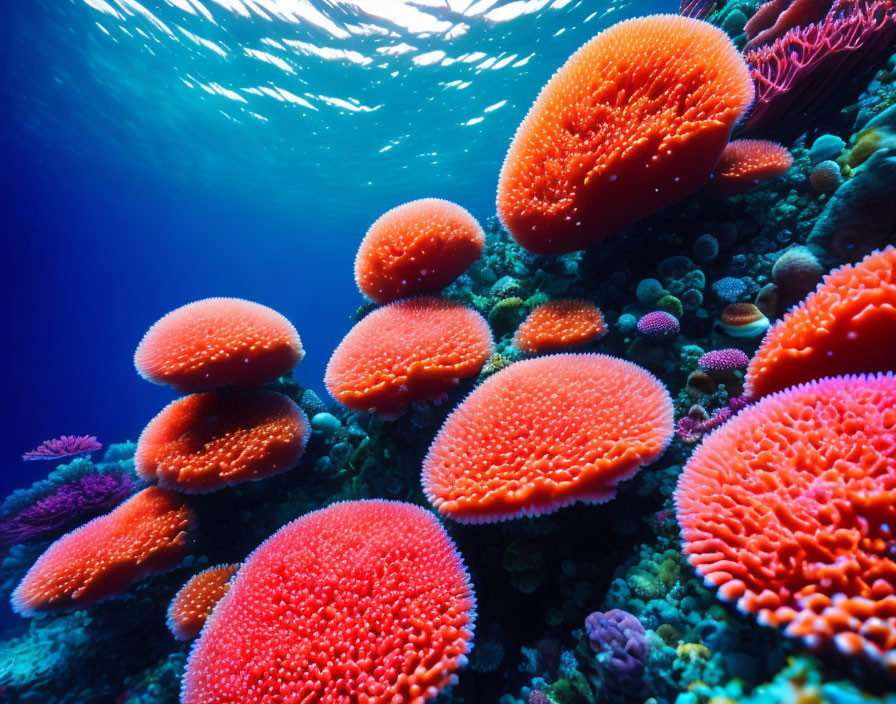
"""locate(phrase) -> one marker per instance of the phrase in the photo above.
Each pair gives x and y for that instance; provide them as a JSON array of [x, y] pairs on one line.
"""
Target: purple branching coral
[[69, 506], [620, 642], [65, 446], [698, 422]]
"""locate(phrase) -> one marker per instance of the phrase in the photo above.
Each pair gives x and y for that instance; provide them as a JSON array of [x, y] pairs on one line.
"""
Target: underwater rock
[[824, 148], [861, 215]]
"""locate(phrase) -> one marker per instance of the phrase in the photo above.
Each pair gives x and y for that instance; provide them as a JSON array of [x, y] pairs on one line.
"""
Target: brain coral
[[218, 342], [362, 601], [557, 325], [195, 601], [407, 351], [148, 533], [544, 433], [206, 441], [848, 325], [417, 247], [790, 510], [748, 162], [634, 121]]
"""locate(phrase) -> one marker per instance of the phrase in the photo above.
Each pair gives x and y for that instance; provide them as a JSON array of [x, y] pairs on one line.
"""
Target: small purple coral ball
[[725, 360], [658, 325], [620, 639]]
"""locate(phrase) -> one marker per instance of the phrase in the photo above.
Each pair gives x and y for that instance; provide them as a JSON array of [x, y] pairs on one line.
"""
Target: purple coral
[[698, 422], [65, 446], [658, 325], [724, 360], [67, 507], [619, 638]]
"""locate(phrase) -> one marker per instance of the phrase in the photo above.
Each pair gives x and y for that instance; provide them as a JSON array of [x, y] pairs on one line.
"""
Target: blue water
[[160, 153]]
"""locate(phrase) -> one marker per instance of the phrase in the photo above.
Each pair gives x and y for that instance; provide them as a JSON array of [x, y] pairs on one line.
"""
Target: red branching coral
[[798, 74]]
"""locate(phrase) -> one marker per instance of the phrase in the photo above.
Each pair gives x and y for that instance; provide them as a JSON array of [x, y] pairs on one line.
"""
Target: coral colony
[[627, 404]]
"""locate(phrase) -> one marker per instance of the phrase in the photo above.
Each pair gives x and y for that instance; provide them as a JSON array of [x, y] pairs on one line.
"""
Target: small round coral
[[208, 441], [148, 533], [658, 325], [559, 325], [417, 247], [634, 121], [545, 433], [218, 342], [195, 601], [826, 177], [743, 320], [790, 510], [410, 350], [748, 162], [727, 359], [362, 601], [847, 326]]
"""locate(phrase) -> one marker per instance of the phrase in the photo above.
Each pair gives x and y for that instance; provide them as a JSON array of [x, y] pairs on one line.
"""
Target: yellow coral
[[692, 652]]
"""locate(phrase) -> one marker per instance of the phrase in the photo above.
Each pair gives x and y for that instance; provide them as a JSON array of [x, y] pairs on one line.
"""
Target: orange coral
[[206, 441], [410, 350], [218, 342], [748, 162], [790, 510], [848, 325], [633, 122], [417, 247], [557, 325], [362, 601], [148, 533], [544, 433], [195, 601]]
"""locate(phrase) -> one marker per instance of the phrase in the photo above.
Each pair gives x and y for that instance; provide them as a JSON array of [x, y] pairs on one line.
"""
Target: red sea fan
[[65, 446], [799, 75]]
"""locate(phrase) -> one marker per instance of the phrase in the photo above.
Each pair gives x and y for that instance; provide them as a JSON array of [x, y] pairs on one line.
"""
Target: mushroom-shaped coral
[[790, 510], [417, 247], [558, 325], [148, 533], [728, 359], [218, 342], [362, 601], [847, 326], [748, 162], [207, 441], [545, 433], [633, 122], [410, 350], [658, 325], [195, 601], [743, 320]]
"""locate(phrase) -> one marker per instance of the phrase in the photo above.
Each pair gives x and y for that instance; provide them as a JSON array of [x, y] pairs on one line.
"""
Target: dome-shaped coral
[[558, 325], [206, 441], [848, 325], [544, 433], [748, 162], [743, 320], [195, 601], [417, 247], [362, 601], [634, 121], [102, 558], [410, 350], [218, 342], [790, 510]]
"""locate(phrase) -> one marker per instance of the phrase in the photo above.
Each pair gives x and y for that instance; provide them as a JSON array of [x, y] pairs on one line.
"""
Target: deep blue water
[[160, 153]]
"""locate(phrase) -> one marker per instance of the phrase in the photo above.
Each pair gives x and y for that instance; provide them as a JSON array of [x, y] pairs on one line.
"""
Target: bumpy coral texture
[[748, 162], [789, 509], [362, 601], [558, 325], [195, 601], [633, 122], [544, 433], [206, 441], [148, 533], [218, 342], [418, 247], [848, 325], [410, 350]]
